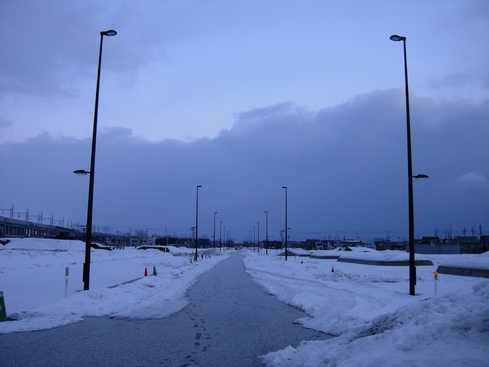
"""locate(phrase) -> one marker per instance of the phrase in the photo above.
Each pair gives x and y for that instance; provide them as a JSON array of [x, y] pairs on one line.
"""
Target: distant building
[[170, 241], [275, 245], [484, 243], [457, 245], [382, 245], [434, 245], [470, 245], [369, 244], [349, 243], [314, 244]]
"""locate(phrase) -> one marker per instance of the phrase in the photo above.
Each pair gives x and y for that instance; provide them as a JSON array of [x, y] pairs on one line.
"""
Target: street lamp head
[[284, 187], [421, 176], [199, 185], [81, 172], [395, 37], [110, 32]]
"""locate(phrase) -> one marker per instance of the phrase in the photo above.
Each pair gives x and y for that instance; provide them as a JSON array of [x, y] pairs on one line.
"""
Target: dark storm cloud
[[54, 45], [345, 168]]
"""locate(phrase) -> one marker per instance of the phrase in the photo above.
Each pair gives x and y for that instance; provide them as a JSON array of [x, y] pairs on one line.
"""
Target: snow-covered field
[[33, 280], [367, 308], [371, 314]]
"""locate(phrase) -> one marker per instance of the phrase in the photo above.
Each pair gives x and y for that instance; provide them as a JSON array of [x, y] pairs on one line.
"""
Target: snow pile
[[449, 330], [372, 319], [372, 255], [468, 261]]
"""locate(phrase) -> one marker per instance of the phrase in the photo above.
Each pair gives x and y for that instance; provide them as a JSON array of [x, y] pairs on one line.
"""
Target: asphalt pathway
[[229, 322]]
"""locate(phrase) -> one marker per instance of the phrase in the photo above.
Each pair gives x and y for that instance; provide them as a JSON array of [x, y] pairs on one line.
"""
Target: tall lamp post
[[266, 233], [258, 237], [286, 225], [225, 245], [215, 229], [197, 222], [88, 237], [412, 267], [220, 235]]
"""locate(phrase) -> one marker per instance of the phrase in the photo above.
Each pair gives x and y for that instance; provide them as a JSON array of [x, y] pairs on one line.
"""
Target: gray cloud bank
[[345, 169]]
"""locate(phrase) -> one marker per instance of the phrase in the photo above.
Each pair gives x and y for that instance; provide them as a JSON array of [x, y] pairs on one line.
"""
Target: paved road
[[229, 322]]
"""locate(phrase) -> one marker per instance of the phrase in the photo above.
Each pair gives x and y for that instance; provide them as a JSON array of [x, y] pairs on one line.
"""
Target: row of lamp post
[[197, 226], [412, 267], [197, 222], [266, 232], [91, 173], [266, 226], [286, 224]]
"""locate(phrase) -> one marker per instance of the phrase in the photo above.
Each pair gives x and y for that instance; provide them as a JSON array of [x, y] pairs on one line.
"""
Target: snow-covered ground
[[371, 314], [367, 308], [33, 280]]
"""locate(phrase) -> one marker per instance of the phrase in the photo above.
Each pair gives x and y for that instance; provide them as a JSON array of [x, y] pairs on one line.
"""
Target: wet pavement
[[230, 321]]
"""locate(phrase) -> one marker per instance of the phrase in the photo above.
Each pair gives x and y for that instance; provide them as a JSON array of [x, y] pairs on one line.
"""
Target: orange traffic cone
[[145, 272]]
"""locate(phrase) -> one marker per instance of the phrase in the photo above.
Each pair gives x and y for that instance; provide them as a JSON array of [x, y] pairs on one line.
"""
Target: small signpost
[[436, 283], [67, 273]]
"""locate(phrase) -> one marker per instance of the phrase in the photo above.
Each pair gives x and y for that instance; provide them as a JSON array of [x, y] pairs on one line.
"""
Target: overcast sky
[[244, 97]]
